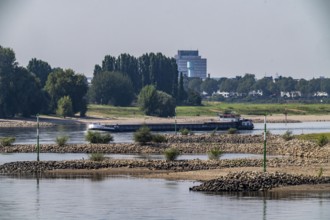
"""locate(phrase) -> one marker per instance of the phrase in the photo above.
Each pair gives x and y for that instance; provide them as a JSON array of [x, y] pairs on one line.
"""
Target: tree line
[[270, 87], [39, 88], [121, 81]]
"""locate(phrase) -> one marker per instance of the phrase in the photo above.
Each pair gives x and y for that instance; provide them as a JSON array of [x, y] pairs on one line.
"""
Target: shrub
[[61, 141], [143, 135], [322, 140], [232, 131], [171, 154], [158, 138], [97, 157], [7, 141], [185, 131], [98, 137], [320, 173], [214, 154], [287, 135]]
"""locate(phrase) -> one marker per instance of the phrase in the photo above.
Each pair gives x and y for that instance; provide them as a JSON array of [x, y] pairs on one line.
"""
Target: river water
[[76, 133], [124, 197], [133, 198]]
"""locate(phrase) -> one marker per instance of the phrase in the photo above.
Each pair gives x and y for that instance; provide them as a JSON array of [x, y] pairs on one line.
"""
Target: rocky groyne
[[194, 144], [31, 167], [256, 181]]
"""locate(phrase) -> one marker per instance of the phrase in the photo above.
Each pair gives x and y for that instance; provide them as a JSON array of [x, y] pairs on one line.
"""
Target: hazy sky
[[263, 37]]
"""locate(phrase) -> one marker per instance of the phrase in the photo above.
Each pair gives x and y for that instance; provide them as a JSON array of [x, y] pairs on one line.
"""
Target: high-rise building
[[191, 64]]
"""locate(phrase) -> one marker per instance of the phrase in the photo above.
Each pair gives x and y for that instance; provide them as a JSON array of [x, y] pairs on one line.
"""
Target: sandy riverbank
[[53, 121]]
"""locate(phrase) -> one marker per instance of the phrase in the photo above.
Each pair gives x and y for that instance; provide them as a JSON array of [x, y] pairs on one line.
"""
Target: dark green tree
[[193, 98], [64, 107], [195, 84], [62, 83], [209, 86], [156, 103], [182, 95], [41, 69], [112, 88], [246, 84]]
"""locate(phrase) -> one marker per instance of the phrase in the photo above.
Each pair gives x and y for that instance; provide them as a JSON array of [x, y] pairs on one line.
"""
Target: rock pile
[[256, 181]]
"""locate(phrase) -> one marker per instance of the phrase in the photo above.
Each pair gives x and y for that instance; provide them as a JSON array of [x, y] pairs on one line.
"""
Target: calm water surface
[[133, 198], [12, 157], [77, 133]]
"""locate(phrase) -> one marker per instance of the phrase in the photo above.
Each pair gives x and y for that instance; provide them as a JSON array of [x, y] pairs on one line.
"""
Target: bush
[[214, 154], [7, 141], [158, 138], [185, 131], [232, 131], [61, 141], [143, 135], [97, 157], [322, 140], [171, 154], [287, 135], [98, 137]]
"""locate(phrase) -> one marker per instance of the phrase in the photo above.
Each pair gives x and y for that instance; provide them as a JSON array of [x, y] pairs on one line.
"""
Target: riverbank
[[293, 157], [54, 121]]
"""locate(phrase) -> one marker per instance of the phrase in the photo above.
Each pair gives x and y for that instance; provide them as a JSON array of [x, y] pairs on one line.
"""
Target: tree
[[66, 83], [209, 86], [156, 103], [182, 95], [20, 91], [195, 84], [147, 99], [194, 98], [64, 107], [246, 84], [112, 88], [41, 69]]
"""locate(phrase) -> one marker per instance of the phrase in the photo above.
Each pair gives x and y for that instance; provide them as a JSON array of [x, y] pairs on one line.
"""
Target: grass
[[98, 137], [96, 157], [61, 140], [171, 154], [214, 154], [313, 137], [213, 108], [7, 141]]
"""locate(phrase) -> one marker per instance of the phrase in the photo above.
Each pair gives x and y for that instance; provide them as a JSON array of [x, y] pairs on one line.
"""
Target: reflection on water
[[12, 157], [134, 198]]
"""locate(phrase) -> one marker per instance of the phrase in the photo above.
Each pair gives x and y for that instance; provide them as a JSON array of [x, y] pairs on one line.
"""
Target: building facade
[[191, 64]]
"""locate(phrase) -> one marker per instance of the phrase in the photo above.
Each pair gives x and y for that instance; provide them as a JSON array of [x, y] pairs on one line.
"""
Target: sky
[[262, 37]]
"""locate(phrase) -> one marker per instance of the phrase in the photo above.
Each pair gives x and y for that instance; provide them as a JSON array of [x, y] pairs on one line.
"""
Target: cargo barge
[[226, 122]]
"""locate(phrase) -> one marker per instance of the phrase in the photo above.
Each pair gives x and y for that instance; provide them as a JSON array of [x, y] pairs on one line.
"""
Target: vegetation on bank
[[321, 138], [7, 141], [98, 137], [213, 108]]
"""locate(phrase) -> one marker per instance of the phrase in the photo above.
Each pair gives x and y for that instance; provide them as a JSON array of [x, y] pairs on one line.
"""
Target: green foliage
[[209, 86], [171, 154], [98, 137], [322, 140], [232, 131], [7, 141], [214, 154], [112, 88], [64, 107], [158, 138], [62, 83], [61, 140], [157, 103], [185, 131], [143, 135], [287, 136], [320, 173], [96, 157], [41, 69]]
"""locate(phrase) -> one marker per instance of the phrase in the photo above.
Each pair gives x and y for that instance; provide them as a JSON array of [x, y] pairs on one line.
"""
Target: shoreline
[[46, 121]]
